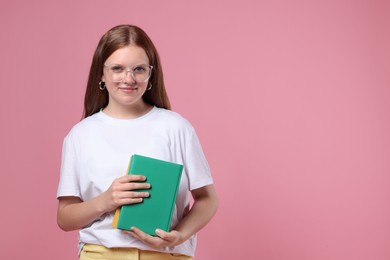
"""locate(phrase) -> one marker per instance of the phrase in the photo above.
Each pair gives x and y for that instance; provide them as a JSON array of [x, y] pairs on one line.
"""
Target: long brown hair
[[118, 37]]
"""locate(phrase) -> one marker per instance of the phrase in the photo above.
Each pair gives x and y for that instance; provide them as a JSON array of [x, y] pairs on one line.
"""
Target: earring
[[102, 85], [149, 86]]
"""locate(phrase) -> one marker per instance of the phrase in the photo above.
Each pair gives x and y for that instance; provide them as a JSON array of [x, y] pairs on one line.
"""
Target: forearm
[[75, 214], [204, 208], [202, 211]]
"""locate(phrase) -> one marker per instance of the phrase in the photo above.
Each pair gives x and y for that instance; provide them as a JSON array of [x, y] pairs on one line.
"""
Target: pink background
[[289, 98]]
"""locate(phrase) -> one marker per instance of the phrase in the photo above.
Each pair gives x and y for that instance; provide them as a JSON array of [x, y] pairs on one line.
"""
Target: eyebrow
[[118, 64]]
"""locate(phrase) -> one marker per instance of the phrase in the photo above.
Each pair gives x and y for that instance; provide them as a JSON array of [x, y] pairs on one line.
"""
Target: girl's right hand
[[123, 191]]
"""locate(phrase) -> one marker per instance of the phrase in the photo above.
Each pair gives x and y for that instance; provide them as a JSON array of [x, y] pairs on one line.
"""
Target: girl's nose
[[129, 77]]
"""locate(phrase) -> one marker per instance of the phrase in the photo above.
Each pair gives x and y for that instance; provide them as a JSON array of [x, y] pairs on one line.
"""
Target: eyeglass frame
[[127, 70]]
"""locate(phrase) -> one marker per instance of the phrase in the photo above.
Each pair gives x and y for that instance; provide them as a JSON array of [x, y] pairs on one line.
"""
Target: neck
[[127, 112]]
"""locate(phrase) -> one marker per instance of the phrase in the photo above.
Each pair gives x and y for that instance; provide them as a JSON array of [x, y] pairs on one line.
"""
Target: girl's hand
[[163, 239], [122, 191]]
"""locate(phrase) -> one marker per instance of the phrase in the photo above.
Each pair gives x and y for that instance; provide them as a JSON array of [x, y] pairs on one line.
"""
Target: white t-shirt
[[97, 151]]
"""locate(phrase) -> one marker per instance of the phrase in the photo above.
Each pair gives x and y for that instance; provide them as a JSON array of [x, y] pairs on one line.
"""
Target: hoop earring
[[102, 85], [149, 86]]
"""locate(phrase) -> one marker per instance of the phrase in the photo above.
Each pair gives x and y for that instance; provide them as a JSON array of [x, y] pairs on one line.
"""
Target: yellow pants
[[91, 252]]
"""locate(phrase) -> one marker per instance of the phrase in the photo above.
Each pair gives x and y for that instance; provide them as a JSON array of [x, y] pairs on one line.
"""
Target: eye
[[117, 68], [140, 69]]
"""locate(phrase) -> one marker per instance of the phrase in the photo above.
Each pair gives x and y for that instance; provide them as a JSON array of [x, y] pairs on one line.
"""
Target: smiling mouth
[[128, 88]]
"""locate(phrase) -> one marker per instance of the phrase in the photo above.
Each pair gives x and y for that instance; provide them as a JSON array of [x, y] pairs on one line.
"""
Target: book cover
[[156, 210]]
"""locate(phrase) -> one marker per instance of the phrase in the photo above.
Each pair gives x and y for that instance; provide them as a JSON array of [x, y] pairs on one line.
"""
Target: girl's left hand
[[163, 239]]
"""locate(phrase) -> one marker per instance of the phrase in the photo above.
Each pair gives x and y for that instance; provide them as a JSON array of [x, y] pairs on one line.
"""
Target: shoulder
[[83, 127], [173, 119]]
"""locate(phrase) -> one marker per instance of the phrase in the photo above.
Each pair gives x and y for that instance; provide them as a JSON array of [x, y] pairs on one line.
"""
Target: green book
[[156, 210]]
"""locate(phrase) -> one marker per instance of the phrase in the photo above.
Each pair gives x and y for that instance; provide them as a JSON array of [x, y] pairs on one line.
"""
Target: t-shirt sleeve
[[196, 165], [69, 181]]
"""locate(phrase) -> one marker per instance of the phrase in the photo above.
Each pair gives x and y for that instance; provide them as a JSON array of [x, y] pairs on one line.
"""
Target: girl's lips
[[128, 89]]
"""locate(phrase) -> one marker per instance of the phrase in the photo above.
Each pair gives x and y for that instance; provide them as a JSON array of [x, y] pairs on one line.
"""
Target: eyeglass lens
[[139, 73]]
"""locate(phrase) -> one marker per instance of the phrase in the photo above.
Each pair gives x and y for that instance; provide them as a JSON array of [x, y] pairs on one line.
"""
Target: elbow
[[208, 197], [213, 200], [65, 228], [215, 204], [63, 225]]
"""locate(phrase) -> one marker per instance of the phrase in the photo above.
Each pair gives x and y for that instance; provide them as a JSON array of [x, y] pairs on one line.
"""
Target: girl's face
[[121, 74]]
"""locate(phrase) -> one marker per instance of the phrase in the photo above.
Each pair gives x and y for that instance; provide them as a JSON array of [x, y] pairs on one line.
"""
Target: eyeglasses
[[140, 73]]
